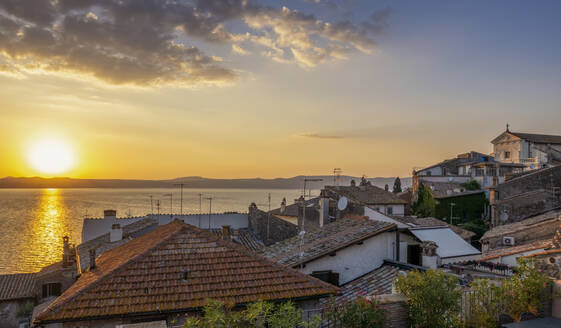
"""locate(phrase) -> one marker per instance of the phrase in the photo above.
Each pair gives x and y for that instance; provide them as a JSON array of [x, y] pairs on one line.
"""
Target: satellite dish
[[342, 203]]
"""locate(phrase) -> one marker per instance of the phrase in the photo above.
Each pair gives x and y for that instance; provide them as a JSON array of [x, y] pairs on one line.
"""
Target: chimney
[[323, 210], [226, 232], [92, 258], [429, 257], [116, 233], [283, 206], [66, 254], [109, 214]]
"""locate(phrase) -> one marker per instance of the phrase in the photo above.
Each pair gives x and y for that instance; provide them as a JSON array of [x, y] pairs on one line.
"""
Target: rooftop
[[17, 286], [376, 282], [501, 230], [538, 138], [321, 241], [512, 250], [415, 222], [368, 194], [177, 267]]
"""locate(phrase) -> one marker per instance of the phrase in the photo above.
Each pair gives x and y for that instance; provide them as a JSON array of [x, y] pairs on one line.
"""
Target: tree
[[433, 298], [425, 205], [397, 185], [471, 185]]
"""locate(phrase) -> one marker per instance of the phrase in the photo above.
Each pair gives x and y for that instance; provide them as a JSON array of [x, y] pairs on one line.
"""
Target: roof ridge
[[179, 227], [262, 259], [56, 303]]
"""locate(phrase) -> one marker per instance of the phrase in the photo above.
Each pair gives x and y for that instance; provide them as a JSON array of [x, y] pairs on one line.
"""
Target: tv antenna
[[200, 208], [306, 180], [181, 201], [170, 202], [158, 206], [209, 210], [336, 175]]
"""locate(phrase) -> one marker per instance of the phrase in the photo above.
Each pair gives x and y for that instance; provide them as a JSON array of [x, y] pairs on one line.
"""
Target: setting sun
[[51, 156]]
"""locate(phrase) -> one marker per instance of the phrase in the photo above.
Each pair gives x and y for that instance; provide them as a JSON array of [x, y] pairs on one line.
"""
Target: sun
[[51, 156]]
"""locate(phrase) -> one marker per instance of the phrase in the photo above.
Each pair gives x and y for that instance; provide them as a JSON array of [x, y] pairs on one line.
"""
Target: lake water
[[33, 221]]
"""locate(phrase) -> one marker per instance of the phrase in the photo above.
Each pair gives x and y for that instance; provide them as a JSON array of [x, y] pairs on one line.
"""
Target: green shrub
[[471, 185], [259, 314], [433, 298], [525, 291]]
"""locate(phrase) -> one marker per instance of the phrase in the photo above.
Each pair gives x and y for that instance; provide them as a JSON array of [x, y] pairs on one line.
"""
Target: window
[[507, 155], [51, 289], [389, 210], [327, 276]]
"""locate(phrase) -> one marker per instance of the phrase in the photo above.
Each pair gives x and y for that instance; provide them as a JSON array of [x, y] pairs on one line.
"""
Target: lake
[[33, 221]]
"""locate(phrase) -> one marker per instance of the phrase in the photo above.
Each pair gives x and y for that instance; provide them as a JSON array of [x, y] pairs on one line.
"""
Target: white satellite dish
[[342, 203]]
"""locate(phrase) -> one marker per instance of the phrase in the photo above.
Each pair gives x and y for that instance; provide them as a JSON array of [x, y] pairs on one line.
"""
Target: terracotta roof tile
[[147, 275], [320, 241], [371, 195], [376, 282], [506, 251], [17, 286]]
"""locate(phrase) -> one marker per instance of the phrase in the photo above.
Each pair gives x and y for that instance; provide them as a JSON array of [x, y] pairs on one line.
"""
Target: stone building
[[17, 297], [524, 196], [532, 150]]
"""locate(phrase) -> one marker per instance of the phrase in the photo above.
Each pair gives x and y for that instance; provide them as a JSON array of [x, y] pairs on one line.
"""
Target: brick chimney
[[92, 258], [116, 233], [226, 232]]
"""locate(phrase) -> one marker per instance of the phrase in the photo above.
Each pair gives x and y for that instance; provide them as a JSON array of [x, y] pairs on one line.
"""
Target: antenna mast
[[336, 175], [181, 188], [209, 210]]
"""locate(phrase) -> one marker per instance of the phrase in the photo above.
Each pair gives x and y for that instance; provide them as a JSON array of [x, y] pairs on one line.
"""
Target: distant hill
[[191, 182]]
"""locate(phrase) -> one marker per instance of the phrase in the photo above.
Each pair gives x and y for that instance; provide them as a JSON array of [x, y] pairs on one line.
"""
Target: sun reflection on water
[[48, 227]]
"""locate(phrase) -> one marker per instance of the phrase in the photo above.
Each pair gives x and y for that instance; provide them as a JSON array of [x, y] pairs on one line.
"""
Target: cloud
[[320, 136], [151, 42]]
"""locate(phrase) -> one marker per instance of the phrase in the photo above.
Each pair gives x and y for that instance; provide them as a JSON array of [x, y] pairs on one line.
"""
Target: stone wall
[[541, 179], [524, 206], [396, 310], [268, 228]]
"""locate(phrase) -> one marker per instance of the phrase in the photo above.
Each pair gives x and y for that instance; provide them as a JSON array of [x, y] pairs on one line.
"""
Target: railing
[[528, 160]]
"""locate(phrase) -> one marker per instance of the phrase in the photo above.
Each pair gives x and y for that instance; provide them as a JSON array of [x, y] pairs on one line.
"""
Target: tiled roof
[[376, 282], [433, 222], [511, 250], [102, 243], [538, 138], [243, 237], [146, 275], [320, 241], [17, 286], [522, 225], [293, 209], [371, 195], [448, 189], [546, 252]]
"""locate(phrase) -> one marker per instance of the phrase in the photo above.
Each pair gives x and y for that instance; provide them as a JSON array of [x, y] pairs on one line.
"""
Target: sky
[[239, 88]]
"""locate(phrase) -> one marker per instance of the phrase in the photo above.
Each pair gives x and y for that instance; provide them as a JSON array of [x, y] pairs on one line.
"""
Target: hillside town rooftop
[[321, 241], [175, 268]]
